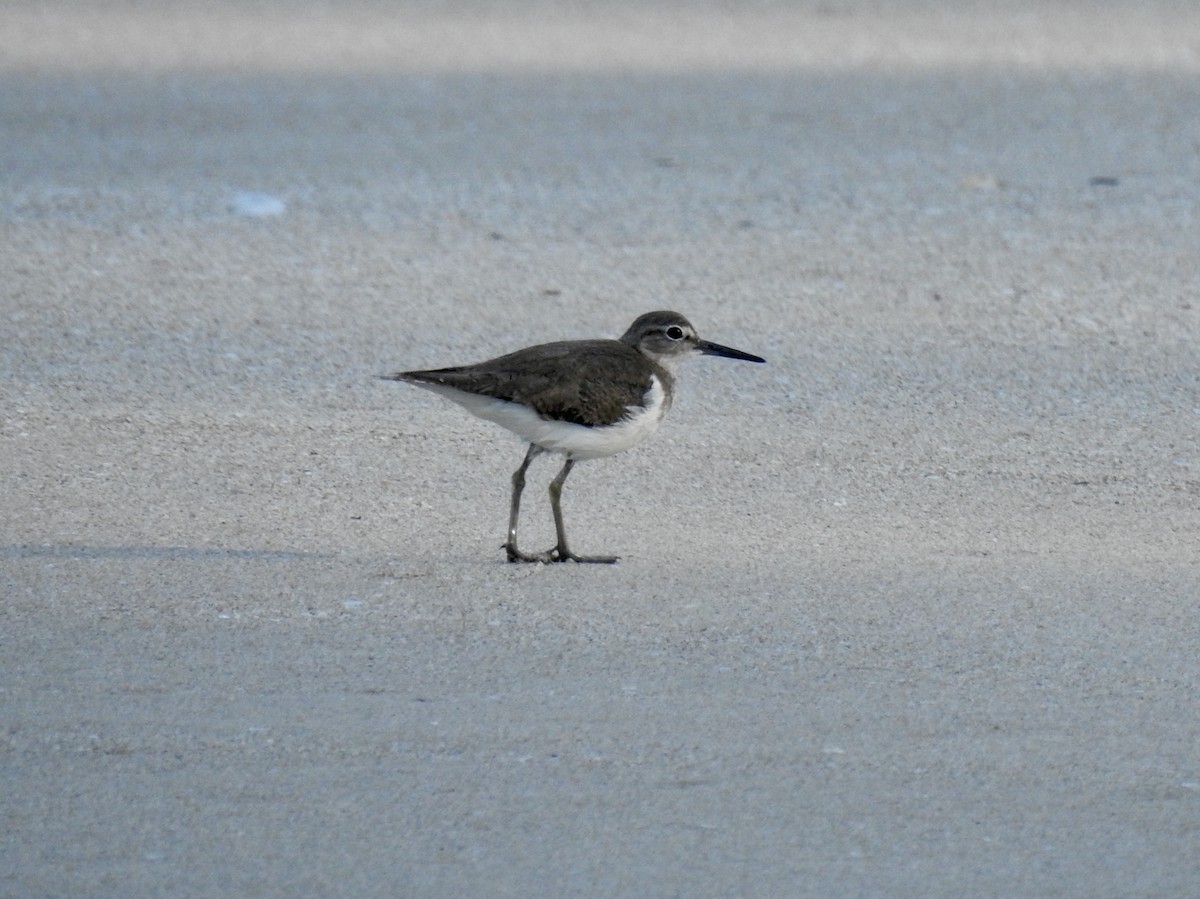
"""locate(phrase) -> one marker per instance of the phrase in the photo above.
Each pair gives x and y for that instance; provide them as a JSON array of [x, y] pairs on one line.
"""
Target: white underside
[[575, 441]]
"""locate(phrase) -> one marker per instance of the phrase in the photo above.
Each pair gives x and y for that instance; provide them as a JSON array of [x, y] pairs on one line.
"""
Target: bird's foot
[[515, 555], [557, 554], [562, 554]]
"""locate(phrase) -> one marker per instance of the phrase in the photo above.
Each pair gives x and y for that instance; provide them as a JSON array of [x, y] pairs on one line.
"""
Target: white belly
[[575, 441]]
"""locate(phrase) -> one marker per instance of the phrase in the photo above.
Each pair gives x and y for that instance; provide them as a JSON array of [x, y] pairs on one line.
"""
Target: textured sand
[[909, 612]]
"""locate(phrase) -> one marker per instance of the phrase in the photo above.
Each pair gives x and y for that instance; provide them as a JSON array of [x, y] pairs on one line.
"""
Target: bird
[[583, 399]]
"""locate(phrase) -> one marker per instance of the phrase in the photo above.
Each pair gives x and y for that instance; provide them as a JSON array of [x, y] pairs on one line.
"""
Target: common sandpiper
[[585, 399]]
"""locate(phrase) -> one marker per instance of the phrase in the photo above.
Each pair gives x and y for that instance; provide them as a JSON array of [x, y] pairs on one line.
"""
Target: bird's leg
[[562, 552], [518, 482]]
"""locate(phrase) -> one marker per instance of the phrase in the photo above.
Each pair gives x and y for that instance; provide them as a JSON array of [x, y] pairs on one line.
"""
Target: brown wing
[[588, 382]]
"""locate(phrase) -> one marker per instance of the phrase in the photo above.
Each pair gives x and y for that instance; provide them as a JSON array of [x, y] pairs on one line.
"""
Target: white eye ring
[[674, 332]]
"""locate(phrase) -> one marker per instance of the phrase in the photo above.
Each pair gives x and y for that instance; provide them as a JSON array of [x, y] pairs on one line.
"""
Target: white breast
[[576, 441]]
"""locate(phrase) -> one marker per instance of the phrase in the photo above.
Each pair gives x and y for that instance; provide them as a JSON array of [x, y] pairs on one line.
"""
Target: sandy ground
[[909, 612]]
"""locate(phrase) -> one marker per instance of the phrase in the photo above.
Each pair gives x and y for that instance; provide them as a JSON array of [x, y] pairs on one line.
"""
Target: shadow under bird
[[585, 399]]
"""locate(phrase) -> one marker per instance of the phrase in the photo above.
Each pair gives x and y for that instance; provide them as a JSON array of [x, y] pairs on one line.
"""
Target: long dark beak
[[715, 349]]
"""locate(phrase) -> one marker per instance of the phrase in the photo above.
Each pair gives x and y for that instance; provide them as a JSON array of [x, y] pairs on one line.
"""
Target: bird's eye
[[674, 332]]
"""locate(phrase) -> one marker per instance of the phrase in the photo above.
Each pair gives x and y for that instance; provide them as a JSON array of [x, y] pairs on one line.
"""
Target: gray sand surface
[[911, 611]]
